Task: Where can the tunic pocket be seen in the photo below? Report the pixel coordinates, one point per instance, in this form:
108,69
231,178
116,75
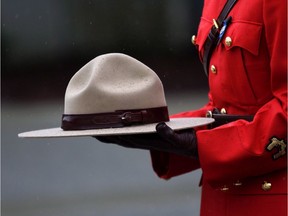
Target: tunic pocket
237,61
246,35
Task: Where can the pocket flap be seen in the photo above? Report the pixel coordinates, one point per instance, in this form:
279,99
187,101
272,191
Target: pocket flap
246,35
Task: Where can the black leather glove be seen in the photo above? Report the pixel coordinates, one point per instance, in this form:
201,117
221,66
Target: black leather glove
182,142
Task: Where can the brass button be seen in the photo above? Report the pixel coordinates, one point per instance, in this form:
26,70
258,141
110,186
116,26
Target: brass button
266,186
193,39
209,114
224,188
228,41
223,111
213,69
238,183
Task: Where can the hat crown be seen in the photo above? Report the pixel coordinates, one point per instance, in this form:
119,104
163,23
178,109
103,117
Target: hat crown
113,82
114,94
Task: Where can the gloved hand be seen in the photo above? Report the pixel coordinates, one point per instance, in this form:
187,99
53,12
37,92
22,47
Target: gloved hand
182,142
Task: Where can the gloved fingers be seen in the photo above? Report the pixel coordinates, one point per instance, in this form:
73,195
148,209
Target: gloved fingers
141,141
107,139
166,132
128,141
114,140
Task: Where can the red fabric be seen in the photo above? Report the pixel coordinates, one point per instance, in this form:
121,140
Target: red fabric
251,79
248,199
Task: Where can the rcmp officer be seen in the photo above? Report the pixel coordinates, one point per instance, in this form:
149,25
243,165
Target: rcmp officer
243,157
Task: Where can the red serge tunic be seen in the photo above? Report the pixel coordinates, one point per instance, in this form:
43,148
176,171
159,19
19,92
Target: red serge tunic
243,172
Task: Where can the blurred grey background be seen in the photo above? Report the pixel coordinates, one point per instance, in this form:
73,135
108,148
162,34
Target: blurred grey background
43,43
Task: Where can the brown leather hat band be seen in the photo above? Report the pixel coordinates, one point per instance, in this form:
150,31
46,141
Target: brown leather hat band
119,118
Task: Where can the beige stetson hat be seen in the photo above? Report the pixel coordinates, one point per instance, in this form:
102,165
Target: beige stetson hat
114,94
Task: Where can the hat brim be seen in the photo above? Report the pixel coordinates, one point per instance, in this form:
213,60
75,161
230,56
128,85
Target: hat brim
175,124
